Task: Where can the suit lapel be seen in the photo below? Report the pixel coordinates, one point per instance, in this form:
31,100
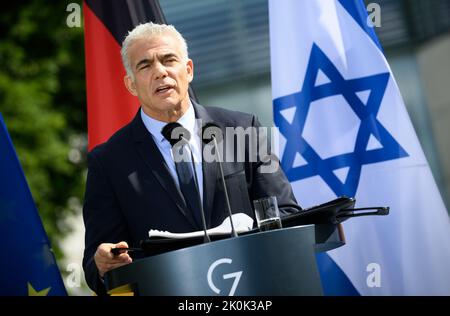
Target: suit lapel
210,169
150,153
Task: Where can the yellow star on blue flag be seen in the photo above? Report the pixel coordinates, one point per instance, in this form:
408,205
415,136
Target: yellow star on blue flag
33,292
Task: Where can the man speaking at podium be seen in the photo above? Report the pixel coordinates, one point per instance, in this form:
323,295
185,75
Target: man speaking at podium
133,183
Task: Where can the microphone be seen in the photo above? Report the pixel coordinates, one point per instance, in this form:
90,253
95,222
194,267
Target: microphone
210,133
176,134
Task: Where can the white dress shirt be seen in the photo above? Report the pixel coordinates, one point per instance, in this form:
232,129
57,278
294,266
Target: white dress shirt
188,121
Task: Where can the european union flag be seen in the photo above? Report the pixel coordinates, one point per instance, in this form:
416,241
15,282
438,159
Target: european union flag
27,264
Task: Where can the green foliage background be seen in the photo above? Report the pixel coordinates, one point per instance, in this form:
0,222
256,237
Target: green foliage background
43,103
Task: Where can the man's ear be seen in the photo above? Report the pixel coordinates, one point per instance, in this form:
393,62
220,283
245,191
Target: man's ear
130,85
190,69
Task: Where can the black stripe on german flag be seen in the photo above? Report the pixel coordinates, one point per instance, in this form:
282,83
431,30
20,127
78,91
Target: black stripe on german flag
121,16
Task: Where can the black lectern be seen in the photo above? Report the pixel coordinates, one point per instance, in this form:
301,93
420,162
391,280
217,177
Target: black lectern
278,262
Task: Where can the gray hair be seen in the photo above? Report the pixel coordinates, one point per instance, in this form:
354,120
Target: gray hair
148,31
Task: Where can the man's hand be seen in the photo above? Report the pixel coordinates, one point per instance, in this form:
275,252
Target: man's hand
106,261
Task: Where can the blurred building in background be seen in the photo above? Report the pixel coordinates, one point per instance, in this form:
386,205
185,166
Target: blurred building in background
229,43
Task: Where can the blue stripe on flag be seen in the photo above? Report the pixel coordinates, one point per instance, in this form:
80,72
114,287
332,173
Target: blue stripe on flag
358,11
334,280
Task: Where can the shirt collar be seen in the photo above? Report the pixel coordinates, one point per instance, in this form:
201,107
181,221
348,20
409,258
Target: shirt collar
155,127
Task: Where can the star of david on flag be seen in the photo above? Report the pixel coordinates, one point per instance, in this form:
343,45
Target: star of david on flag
291,114
344,130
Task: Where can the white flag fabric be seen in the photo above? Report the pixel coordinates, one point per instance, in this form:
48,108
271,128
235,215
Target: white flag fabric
344,130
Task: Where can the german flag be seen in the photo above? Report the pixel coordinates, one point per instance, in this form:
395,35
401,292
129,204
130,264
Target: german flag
106,23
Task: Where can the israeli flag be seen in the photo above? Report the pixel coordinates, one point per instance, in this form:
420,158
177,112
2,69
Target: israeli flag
345,131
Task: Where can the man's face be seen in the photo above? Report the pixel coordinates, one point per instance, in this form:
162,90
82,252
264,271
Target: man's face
161,76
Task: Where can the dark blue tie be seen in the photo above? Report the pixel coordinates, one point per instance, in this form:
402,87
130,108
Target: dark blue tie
178,137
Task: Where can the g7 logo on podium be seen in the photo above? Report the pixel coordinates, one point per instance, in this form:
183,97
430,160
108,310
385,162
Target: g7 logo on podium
236,275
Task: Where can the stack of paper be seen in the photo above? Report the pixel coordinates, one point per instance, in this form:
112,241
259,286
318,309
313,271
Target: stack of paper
242,223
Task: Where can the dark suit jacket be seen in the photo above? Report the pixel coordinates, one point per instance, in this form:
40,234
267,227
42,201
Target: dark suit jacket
129,188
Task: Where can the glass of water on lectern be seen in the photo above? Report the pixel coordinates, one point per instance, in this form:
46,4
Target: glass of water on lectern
267,213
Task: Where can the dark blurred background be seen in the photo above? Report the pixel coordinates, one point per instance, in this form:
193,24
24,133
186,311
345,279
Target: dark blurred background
43,90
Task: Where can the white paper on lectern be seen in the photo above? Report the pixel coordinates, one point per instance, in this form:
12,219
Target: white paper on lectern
242,223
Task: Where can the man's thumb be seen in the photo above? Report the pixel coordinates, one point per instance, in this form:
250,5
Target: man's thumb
122,244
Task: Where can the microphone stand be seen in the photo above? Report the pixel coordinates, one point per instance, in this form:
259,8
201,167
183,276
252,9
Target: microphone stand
216,148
